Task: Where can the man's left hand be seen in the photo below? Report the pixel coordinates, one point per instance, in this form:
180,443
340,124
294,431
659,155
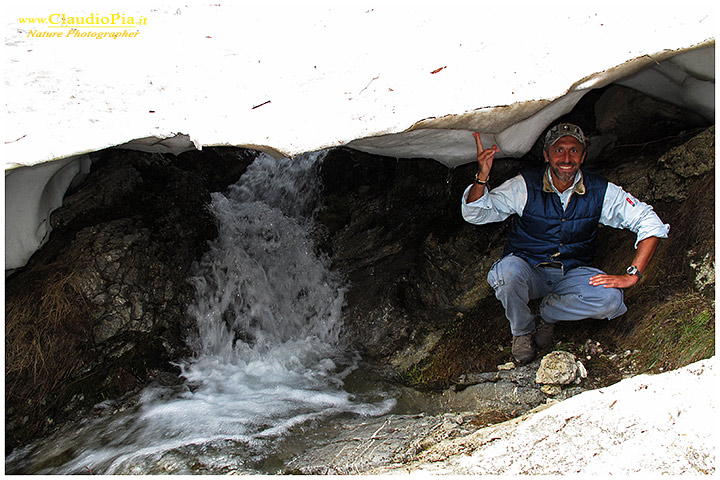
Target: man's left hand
614,281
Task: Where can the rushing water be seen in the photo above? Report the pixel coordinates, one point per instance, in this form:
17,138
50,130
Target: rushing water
268,362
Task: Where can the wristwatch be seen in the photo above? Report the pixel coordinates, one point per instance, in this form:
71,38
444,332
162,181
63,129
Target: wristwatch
633,270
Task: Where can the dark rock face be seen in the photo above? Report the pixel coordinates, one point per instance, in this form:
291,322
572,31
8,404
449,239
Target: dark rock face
394,228
636,118
100,309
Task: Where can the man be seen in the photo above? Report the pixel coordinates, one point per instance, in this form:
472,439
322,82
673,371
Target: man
549,251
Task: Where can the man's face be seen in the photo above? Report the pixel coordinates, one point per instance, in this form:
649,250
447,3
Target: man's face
565,158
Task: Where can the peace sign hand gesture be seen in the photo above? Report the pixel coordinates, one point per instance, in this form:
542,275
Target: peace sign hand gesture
485,158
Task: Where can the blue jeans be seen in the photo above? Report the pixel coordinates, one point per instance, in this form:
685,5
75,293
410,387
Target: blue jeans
565,297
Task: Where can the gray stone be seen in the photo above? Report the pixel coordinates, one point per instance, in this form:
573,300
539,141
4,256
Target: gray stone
362,445
693,158
558,368
502,396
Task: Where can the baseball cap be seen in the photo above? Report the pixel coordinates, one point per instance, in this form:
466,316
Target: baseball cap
564,130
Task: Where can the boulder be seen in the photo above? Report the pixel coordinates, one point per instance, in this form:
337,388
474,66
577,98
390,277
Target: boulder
560,368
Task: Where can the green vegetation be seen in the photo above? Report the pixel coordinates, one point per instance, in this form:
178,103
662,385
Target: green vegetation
675,333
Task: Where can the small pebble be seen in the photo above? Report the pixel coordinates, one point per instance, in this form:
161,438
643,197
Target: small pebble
506,366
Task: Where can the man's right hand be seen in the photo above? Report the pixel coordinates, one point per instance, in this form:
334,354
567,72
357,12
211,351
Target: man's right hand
485,157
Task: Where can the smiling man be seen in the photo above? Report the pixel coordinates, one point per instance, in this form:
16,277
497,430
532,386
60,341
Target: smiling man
549,251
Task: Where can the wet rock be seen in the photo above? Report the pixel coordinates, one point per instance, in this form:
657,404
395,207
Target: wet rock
683,165
503,396
551,389
482,399
362,445
694,158
509,391
413,354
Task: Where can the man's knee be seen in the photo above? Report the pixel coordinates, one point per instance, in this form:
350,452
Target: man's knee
615,303
610,302
587,302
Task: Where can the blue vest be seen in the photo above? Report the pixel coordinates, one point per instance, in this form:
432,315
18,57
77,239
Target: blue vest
547,234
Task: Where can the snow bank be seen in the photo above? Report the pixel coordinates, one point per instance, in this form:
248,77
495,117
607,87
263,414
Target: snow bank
291,77
649,424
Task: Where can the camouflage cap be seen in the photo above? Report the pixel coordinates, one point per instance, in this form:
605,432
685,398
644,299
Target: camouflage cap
564,130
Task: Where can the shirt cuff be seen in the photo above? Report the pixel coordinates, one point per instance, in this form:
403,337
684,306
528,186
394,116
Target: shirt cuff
659,231
480,202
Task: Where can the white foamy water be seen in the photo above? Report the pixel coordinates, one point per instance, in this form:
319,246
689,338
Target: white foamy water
268,359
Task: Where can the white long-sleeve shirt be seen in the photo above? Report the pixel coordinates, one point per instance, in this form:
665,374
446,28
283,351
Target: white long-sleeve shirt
619,210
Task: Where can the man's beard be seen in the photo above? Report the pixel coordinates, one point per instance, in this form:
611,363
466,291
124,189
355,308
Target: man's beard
564,175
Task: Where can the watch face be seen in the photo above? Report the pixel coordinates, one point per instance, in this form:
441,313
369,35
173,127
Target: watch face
632,270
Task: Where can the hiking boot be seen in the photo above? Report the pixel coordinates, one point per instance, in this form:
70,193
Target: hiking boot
523,349
544,334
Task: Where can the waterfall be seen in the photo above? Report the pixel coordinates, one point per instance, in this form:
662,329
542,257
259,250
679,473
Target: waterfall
261,286
267,359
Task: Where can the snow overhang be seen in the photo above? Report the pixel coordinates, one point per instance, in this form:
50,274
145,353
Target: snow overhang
400,79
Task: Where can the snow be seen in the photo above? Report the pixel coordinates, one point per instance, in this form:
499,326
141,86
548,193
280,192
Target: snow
292,77
650,425
31,194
